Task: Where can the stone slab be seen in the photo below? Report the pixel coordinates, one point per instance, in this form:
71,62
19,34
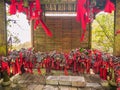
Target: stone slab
73,88
39,87
63,88
93,85
52,80
78,81
67,88
85,88
65,80
48,87
31,87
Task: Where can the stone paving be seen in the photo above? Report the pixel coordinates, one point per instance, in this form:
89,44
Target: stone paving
40,82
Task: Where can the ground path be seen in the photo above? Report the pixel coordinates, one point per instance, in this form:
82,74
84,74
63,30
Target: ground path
28,81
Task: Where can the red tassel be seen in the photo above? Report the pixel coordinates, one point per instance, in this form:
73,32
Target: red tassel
83,35
20,7
47,31
12,8
35,15
109,7
37,22
105,74
81,16
101,72
8,70
21,60
65,71
38,5
39,71
17,65
4,66
81,13
13,68
30,67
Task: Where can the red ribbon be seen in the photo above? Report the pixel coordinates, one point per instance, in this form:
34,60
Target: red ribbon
4,66
17,66
47,31
82,16
20,6
12,8
109,7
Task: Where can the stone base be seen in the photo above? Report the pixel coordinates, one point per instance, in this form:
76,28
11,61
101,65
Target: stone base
75,81
6,83
65,81
78,81
52,80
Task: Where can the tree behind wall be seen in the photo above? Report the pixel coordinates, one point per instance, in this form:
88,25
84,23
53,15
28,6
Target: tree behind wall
103,32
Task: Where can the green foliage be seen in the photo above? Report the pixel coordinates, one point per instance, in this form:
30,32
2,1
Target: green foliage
103,32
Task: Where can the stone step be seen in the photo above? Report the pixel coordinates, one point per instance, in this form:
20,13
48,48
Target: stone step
75,81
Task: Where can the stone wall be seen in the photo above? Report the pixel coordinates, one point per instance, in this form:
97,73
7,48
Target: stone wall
117,27
3,33
66,35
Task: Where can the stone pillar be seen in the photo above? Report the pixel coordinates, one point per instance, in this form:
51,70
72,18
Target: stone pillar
117,27
3,31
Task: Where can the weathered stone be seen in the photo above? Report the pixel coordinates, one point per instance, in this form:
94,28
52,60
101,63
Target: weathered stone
67,88
52,80
65,80
72,88
93,85
6,88
84,88
21,81
32,87
23,88
104,83
22,85
39,87
15,81
48,87
78,81
63,88
13,85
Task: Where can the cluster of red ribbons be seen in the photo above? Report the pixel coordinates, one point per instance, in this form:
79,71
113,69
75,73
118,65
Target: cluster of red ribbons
32,10
84,11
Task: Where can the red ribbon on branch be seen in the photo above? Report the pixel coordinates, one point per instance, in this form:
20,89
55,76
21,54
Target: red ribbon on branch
81,16
87,10
33,12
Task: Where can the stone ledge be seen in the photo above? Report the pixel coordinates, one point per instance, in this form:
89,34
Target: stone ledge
52,80
75,81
